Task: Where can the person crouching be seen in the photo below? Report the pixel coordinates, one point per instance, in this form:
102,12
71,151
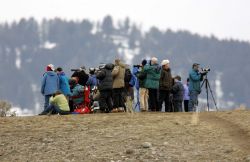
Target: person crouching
58,105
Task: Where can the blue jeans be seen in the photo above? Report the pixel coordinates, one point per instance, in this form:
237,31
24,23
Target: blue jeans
193,102
55,110
46,104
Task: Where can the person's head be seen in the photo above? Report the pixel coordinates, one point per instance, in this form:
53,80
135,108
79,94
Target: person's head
144,62
165,64
117,61
50,67
59,69
73,82
154,60
187,80
196,66
92,71
177,78
82,68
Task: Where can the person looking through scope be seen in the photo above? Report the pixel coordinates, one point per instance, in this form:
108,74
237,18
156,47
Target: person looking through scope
195,79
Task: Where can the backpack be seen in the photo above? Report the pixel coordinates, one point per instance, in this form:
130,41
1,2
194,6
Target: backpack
142,75
128,75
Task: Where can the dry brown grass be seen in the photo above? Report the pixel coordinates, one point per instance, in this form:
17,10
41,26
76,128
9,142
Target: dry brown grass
209,136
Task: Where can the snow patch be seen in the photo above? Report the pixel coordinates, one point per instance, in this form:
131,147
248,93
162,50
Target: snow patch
18,59
48,45
124,50
22,112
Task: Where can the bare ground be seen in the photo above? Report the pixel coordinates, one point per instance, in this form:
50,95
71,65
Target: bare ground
211,136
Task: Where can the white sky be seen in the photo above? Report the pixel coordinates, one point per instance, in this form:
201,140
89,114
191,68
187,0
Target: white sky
223,18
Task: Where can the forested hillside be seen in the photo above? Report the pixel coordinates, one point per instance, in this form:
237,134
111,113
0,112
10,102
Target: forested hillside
27,46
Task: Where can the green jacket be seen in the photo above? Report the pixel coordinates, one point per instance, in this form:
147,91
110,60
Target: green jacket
195,79
153,76
60,101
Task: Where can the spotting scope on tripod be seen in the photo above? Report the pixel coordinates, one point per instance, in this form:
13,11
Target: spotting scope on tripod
208,87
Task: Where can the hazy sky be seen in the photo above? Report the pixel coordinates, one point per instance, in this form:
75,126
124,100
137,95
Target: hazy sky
223,18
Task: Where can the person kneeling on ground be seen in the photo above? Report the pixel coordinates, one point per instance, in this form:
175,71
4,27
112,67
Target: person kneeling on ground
58,105
77,94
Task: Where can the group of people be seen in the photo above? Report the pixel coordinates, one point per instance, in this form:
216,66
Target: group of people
113,85
157,85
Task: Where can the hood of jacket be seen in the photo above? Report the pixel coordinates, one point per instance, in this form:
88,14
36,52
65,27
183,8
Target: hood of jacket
109,66
156,67
51,73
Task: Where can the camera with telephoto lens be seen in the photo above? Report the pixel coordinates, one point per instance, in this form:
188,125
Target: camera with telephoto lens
205,70
138,66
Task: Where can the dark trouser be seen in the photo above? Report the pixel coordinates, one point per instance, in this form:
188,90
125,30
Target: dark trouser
118,97
164,97
193,102
186,105
71,106
46,102
55,110
105,100
177,106
153,101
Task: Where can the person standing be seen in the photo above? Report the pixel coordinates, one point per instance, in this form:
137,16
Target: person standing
92,81
50,84
105,87
195,79
143,92
178,91
186,95
63,82
153,72
118,74
166,83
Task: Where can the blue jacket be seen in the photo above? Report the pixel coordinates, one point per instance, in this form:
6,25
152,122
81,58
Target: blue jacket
134,82
92,81
50,83
194,81
64,84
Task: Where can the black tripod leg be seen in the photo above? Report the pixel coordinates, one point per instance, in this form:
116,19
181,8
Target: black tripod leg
212,95
207,92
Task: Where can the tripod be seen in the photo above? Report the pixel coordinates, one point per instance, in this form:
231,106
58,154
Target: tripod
207,87
137,105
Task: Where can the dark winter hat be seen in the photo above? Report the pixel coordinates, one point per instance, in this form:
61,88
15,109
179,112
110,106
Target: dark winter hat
72,81
91,70
144,62
195,64
59,69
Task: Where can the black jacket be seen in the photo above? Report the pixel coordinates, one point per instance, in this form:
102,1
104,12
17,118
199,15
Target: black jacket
82,76
105,78
178,91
